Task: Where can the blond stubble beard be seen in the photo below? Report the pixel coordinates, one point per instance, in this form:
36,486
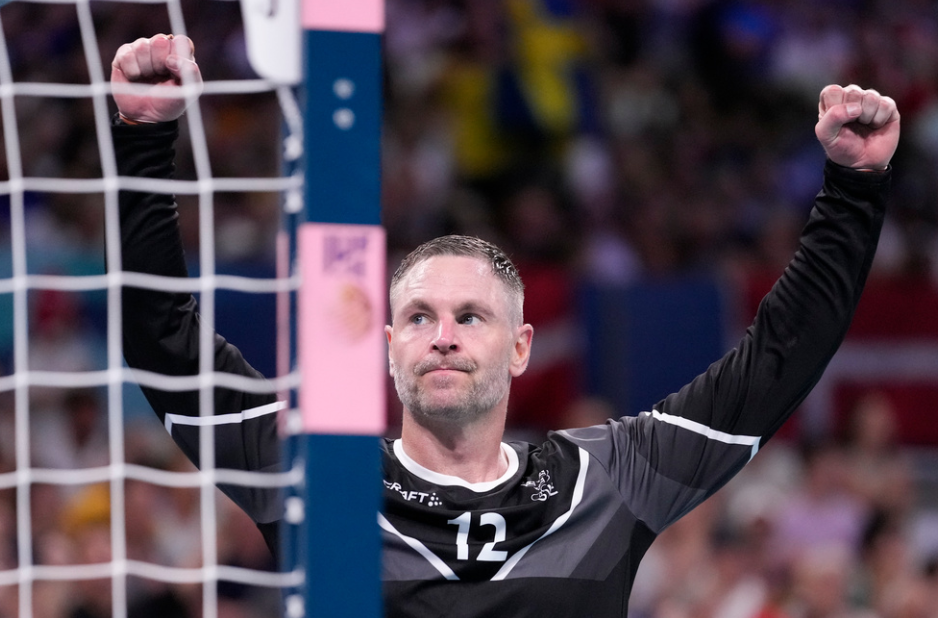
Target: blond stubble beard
480,397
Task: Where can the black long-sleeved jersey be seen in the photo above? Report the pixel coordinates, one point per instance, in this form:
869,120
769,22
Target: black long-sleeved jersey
563,531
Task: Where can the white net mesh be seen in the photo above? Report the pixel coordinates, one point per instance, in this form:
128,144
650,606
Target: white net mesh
98,516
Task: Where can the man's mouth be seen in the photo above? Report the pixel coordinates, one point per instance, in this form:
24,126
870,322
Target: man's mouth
431,366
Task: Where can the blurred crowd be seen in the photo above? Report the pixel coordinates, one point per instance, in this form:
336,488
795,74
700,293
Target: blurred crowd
599,141
628,139
827,529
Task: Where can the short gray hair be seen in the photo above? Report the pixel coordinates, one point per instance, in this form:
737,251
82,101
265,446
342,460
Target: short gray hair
467,246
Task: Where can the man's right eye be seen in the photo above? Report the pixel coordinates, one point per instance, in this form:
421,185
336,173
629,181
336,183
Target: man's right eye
418,319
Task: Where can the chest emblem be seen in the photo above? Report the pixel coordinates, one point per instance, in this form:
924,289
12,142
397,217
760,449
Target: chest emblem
543,488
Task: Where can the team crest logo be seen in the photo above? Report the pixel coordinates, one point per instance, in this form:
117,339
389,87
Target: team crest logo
543,488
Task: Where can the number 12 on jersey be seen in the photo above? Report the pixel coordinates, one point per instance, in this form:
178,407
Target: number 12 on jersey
488,553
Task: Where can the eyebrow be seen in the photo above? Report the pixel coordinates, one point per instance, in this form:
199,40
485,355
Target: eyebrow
473,307
466,307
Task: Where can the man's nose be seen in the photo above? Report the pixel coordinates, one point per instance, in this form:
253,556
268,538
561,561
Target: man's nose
444,339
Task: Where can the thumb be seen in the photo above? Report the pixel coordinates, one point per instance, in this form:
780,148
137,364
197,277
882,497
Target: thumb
181,60
183,47
832,121
184,71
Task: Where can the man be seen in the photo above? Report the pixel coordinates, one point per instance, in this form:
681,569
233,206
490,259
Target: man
473,526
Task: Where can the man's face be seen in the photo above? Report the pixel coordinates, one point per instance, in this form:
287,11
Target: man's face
453,347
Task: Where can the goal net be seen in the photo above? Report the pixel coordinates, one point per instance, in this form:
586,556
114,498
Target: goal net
99,516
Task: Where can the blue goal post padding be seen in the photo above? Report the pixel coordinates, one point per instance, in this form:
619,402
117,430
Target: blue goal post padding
337,540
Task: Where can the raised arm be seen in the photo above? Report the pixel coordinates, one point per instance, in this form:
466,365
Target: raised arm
667,461
161,329
802,321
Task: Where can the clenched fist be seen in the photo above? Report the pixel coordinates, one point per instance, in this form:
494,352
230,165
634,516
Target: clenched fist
148,75
857,128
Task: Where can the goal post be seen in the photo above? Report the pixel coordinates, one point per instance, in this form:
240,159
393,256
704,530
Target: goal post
338,250
342,306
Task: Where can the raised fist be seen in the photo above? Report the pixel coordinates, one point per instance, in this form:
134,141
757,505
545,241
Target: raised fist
153,80
857,128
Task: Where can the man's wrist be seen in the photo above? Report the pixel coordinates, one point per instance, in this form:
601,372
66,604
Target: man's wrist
142,129
866,170
124,119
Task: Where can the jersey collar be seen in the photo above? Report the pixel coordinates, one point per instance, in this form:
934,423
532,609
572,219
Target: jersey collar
445,479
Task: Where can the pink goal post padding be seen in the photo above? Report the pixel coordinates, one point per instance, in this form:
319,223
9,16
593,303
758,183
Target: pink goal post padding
344,15
341,316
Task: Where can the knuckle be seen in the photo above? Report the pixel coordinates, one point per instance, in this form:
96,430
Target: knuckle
140,46
123,51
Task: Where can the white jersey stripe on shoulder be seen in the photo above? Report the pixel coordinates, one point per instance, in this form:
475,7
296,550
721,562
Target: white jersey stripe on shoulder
708,432
420,548
560,521
222,419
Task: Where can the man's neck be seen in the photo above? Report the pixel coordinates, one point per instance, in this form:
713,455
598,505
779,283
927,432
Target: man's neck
472,453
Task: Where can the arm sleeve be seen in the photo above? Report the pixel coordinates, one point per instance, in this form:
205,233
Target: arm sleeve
161,330
668,460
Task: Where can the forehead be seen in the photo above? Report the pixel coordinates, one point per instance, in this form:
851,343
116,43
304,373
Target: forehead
448,277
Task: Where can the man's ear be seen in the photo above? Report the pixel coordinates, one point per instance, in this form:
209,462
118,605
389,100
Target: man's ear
389,332
521,353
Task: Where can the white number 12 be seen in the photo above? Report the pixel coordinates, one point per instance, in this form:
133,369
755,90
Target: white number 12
488,554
